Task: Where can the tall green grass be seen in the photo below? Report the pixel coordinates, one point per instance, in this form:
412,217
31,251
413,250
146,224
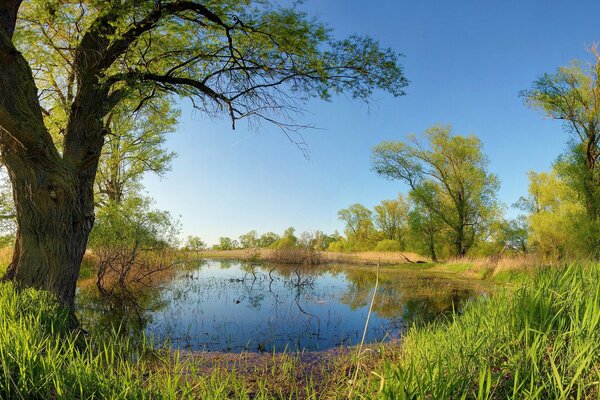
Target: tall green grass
540,342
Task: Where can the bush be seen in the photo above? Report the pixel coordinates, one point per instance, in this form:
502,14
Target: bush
284,243
388,245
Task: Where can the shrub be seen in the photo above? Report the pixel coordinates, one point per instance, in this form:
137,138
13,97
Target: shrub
388,245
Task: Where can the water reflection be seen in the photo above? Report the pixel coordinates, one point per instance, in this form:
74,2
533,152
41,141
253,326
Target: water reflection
235,306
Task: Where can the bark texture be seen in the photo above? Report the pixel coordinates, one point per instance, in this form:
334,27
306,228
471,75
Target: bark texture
53,193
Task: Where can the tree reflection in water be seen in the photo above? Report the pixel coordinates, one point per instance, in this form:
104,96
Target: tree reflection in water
236,306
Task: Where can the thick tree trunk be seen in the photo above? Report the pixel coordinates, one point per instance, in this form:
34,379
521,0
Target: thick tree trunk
54,218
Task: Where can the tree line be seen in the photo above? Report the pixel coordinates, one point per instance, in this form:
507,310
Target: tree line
452,207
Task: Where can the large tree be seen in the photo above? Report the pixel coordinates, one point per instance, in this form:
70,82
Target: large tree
572,95
448,175
238,58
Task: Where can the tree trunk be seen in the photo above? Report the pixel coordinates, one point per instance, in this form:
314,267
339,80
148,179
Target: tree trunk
54,219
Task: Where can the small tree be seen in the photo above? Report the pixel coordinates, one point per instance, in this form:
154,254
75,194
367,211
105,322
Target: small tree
132,242
267,239
194,243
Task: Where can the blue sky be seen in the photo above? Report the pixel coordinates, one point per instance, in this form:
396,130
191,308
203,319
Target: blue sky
467,62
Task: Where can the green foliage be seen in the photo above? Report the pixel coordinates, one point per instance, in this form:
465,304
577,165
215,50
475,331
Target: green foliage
288,240
542,342
249,240
267,239
391,218
134,147
448,176
558,221
194,243
285,242
388,245
133,223
226,243
572,95
231,57
359,222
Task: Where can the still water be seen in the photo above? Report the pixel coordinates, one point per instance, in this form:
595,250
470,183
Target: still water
236,306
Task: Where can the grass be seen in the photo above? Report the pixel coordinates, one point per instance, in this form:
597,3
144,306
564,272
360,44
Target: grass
541,341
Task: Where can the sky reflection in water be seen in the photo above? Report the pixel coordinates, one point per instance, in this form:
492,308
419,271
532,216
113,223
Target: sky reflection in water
222,305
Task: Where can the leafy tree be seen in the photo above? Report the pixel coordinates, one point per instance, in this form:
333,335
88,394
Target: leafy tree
267,239
388,245
288,240
133,222
194,243
134,145
572,95
359,222
241,58
249,240
448,176
557,219
391,218
514,235
226,243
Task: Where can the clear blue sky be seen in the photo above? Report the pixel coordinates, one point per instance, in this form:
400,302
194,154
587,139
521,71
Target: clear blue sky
467,62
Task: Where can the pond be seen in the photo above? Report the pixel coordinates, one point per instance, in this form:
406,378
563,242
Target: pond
235,306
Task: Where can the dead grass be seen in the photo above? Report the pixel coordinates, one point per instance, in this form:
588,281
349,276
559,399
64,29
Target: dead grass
483,267
6,254
324,257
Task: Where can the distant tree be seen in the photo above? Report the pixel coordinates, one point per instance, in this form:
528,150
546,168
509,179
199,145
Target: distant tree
134,146
391,218
267,239
572,95
359,222
448,176
226,243
133,223
249,240
194,243
288,239
290,233
8,213
515,233
322,240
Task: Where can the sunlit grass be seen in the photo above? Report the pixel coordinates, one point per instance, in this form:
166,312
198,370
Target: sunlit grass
541,342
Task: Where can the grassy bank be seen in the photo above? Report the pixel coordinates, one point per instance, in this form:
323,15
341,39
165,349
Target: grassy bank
539,342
